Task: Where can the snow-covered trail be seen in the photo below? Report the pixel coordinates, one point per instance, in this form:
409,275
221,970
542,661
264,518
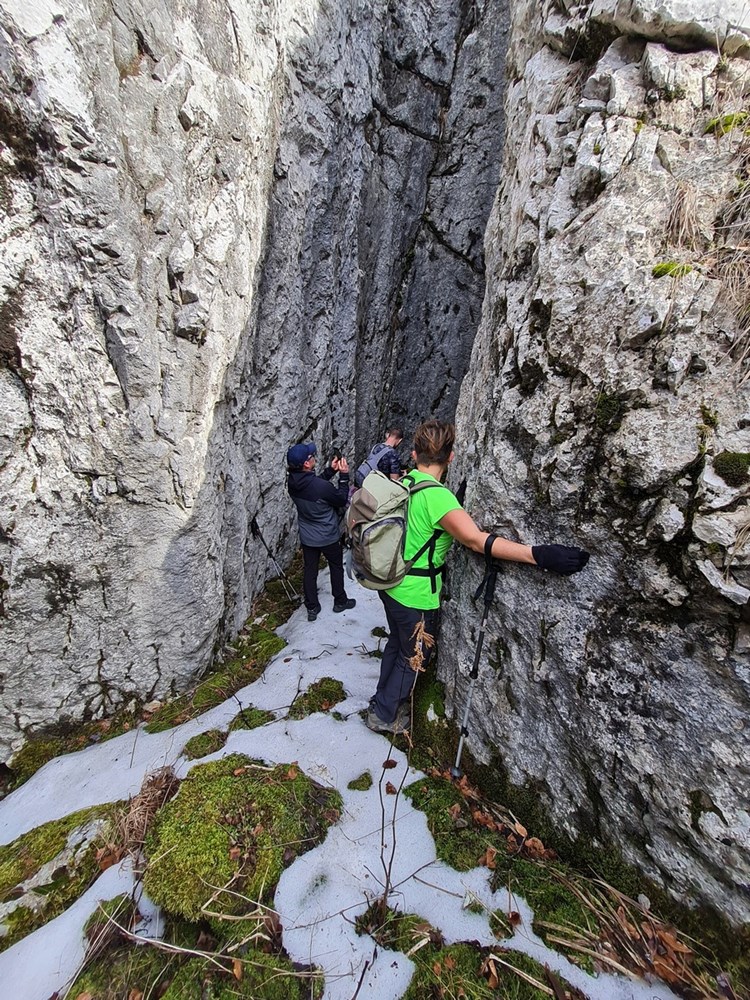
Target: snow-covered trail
322,892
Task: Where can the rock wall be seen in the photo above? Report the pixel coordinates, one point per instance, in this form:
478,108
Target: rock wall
209,209
607,404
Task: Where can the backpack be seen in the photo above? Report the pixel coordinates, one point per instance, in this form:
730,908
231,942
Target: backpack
370,464
376,523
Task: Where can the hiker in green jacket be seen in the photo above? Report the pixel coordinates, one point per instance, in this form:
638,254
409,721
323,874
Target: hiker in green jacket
415,601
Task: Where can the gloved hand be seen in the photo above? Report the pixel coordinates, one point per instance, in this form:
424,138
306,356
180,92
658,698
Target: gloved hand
562,559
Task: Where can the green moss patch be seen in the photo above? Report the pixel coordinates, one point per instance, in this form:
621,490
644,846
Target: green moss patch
319,697
250,718
671,268
362,783
727,123
204,744
253,650
270,977
22,860
458,970
733,467
221,844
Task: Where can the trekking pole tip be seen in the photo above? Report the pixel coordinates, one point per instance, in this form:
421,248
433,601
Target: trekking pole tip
456,773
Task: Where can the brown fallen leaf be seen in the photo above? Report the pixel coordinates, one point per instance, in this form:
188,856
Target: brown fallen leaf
437,968
520,829
514,918
389,764
292,773
135,994
238,771
237,969
390,789
85,996
488,858
450,962
235,853
454,810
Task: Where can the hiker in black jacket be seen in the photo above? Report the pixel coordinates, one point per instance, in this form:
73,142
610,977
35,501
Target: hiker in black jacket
319,507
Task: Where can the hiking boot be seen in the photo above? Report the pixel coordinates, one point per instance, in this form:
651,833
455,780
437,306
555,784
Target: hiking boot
347,605
377,725
312,614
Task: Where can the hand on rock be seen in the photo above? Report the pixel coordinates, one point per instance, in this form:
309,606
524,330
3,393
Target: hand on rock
562,559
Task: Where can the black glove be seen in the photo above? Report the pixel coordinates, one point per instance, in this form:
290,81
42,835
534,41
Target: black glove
562,559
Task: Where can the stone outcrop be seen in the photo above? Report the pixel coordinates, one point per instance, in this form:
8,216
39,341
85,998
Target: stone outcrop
221,224
607,405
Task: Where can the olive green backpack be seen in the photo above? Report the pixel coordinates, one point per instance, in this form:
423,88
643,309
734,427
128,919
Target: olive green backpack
376,523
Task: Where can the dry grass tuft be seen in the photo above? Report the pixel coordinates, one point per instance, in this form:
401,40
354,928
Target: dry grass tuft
132,824
683,228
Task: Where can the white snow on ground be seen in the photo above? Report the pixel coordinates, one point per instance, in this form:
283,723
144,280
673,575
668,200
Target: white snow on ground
323,891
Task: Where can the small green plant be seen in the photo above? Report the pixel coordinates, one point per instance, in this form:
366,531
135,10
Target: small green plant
710,417
733,467
597,148
671,268
726,123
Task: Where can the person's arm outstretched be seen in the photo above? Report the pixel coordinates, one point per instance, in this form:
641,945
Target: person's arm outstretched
563,559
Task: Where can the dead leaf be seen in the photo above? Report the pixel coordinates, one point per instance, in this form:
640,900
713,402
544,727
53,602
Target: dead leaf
520,830
450,962
670,940
287,659
492,979
135,994
437,968
85,996
390,789
455,810
235,853
238,771
534,847
237,969
107,856
514,918
292,773
488,858
389,764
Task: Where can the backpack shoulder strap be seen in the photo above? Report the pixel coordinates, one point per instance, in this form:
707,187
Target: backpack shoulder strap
433,572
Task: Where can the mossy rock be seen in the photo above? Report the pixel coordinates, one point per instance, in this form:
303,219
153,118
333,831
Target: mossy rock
319,697
204,744
362,783
733,467
234,825
251,718
25,856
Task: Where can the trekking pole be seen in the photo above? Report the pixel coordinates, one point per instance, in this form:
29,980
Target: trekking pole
286,583
487,585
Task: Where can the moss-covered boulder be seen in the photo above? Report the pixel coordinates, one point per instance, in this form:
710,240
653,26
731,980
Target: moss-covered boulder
218,848
44,871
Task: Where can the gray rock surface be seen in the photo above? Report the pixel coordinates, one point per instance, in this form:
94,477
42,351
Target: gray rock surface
599,408
223,223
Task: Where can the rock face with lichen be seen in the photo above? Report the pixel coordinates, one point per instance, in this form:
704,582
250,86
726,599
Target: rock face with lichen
607,405
221,225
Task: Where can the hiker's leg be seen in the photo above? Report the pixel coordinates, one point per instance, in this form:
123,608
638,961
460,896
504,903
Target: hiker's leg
335,556
390,653
311,558
396,686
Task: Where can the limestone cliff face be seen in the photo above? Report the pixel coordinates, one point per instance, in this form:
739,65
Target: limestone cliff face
219,220
607,405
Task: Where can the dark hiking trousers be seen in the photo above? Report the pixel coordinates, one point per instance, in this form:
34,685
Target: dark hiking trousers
396,675
335,557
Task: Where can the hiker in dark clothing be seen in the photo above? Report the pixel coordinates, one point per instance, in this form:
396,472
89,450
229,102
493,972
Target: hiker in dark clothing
412,605
319,504
383,457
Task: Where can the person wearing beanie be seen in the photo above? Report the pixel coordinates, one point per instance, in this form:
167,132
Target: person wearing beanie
319,507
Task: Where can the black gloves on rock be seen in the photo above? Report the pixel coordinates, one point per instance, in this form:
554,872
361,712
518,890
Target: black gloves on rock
562,559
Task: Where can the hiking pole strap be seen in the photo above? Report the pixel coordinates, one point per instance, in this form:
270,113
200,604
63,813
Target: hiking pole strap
491,566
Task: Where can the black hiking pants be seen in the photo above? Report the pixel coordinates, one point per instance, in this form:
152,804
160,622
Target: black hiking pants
311,558
396,674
